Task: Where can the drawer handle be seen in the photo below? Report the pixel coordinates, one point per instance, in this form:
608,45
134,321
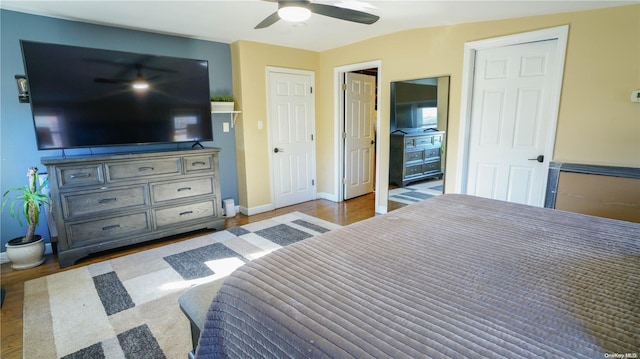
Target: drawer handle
113,226
184,189
146,168
185,213
80,175
107,200
198,163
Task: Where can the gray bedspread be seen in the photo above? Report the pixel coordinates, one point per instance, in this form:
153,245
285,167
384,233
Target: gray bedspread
451,277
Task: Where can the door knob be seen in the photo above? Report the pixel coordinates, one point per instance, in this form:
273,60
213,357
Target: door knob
540,158
276,150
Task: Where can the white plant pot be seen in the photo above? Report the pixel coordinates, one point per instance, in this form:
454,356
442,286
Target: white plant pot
23,256
222,106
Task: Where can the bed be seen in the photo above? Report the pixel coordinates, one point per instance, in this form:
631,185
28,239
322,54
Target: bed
454,276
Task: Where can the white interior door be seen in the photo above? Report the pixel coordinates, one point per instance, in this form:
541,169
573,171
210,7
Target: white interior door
511,114
359,134
291,128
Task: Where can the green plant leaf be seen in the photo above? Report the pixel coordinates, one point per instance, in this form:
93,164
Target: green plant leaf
222,98
29,196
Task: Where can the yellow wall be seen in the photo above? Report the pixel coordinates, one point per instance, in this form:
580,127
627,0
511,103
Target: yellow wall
597,122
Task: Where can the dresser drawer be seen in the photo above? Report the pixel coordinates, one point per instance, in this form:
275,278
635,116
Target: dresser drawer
71,176
432,152
167,191
424,141
413,170
198,163
173,215
96,202
431,166
414,156
142,169
107,228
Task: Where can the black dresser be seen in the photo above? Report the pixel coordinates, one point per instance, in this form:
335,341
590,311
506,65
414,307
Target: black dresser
415,156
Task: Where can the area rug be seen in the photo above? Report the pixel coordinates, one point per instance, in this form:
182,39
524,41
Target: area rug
416,192
128,307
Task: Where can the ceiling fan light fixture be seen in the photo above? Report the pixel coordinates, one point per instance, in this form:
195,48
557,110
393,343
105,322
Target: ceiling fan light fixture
294,13
140,85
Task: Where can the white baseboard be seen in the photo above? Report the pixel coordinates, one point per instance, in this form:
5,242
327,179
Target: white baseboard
328,196
47,250
270,207
256,210
381,210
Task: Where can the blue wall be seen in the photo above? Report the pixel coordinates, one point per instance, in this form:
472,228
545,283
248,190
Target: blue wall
18,149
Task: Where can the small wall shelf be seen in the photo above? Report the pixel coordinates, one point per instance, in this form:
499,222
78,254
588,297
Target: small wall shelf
232,114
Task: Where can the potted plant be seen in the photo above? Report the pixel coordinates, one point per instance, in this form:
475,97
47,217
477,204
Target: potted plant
222,104
26,251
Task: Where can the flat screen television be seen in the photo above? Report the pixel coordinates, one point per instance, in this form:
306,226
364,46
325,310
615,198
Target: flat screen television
86,97
413,106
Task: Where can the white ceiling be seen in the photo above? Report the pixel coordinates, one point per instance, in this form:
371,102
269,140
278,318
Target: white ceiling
229,21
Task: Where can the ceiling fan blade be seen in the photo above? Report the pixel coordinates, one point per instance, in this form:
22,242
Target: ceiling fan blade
343,13
110,81
268,21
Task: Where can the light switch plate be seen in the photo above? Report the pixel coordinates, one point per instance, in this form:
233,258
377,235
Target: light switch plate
225,127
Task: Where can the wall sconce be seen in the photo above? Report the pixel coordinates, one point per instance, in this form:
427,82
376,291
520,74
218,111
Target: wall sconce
23,89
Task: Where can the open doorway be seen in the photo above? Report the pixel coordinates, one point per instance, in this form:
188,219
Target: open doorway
346,157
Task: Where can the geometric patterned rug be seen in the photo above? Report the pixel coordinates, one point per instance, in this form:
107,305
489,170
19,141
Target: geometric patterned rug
416,192
127,307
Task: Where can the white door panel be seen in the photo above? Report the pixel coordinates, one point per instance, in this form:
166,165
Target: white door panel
520,183
510,116
360,134
291,133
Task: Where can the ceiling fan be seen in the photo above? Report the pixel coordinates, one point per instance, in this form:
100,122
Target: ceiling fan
300,10
139,83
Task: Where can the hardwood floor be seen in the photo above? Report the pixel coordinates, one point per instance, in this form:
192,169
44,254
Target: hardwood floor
12,281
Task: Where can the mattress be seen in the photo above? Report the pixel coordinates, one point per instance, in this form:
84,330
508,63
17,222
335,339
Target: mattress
451,277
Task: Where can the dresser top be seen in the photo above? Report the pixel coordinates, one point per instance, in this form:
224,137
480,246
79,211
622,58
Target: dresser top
415,132
127,155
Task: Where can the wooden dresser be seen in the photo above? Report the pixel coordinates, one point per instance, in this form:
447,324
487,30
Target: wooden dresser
108,201
414,156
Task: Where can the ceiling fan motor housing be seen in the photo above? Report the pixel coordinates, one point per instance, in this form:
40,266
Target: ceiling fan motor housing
301,10
295,11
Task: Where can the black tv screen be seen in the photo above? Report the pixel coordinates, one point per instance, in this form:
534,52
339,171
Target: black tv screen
413,106
85,97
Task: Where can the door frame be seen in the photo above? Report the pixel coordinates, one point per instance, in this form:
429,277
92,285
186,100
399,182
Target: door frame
338,100
268,71
559,33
